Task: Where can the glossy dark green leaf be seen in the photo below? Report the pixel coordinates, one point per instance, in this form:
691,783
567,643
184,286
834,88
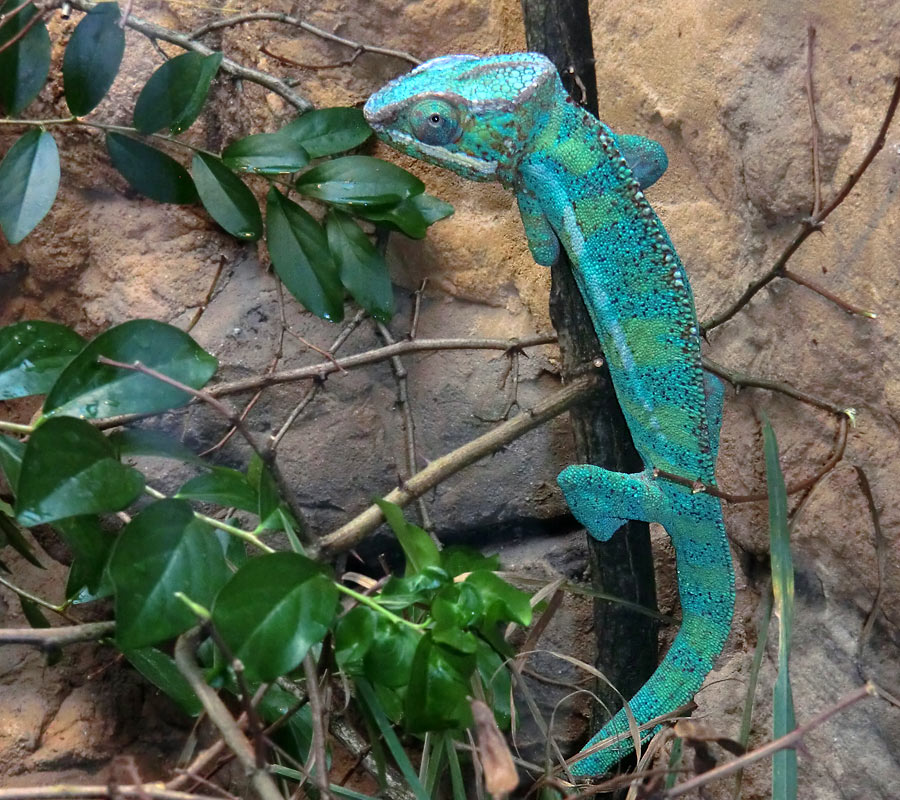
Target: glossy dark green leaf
457,606
29,175
458,559
163,550
32,354
272,610
223,486
388,661
359,181
353,635
501,601
148,442
175,93
362,269
89,389
266,154
463,642
11,452
226,198
411,216
327,131
419,587
150,171
160,669
418,546
24,64
69,469
497,683
12,536
92,58
436,698
296,734
300,255
90,546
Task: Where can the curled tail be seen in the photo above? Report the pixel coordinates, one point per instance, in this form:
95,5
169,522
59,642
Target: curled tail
601,501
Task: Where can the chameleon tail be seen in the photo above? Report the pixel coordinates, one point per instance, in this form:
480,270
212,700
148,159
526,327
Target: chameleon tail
602,500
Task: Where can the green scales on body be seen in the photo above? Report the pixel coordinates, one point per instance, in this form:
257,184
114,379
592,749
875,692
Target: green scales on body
508,119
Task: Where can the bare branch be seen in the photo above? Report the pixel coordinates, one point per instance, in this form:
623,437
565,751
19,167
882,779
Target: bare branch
141,791
153,31
48,638
439,470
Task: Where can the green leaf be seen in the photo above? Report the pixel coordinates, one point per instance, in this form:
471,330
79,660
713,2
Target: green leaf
32,354
502,602
296,734
92,58
388,661
150,171
417,588
69,469
272,610
266,154
784,762
226,198
418,546
361,267
175,93
301,258
437,696
457,606
11,452
147,442
163,550
29,175
411,216
25,63
327,131
223,486
459,559
359,181
90,546
12,536
160,669
89,389
497,683
353,636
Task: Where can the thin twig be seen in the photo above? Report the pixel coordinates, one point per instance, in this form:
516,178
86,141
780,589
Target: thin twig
401,376
185,659
357,529
880,557
141,791
740,380
813,120
266,454
287,19
153,31
317,715
830,296
22,31
815,223
793,488
358,746
788,740
51,638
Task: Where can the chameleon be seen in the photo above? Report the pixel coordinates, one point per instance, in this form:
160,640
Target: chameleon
507,118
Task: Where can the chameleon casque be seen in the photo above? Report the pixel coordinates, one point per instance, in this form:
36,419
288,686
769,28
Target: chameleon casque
508,118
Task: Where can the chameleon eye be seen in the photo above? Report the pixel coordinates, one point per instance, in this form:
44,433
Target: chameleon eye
435,122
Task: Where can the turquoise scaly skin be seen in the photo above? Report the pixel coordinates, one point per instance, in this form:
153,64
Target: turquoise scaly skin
508,119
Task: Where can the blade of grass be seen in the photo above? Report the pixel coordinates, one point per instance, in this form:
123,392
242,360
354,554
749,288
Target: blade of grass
434,749
456,777
367,695
784,762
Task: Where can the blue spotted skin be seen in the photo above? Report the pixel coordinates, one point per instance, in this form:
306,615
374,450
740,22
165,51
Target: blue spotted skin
507,118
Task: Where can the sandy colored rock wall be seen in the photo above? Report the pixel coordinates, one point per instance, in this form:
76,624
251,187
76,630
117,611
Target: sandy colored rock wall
721,85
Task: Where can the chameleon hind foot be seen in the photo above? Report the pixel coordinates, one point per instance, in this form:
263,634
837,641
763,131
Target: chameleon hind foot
603,500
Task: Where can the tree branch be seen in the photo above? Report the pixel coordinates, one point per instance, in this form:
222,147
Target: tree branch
49,638
153,31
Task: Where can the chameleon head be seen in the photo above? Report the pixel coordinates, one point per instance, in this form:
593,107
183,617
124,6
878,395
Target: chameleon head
466,113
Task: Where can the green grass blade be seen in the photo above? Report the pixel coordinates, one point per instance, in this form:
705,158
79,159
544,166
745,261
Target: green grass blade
456,777
367,695
784,762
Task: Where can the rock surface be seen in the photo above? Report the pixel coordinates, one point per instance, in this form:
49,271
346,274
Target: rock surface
722,87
